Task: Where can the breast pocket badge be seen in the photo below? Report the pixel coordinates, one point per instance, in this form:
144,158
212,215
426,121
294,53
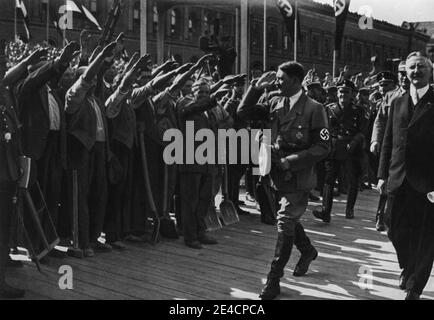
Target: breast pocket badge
299,134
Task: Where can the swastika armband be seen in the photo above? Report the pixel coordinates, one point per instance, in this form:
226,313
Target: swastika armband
324,134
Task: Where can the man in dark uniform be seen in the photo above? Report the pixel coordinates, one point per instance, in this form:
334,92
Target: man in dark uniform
367,172
9,174
299,139
347,122
331,95
315,91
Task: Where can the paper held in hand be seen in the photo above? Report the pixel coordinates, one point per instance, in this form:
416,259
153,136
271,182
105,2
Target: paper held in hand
431,197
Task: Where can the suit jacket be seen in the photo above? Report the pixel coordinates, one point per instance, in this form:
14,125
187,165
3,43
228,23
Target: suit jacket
304,131
10,148
194,111
82,121
408,145
34,111
122,118
382,115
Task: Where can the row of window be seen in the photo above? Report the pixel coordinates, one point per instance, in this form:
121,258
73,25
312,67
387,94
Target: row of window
199,21
217,23
320,46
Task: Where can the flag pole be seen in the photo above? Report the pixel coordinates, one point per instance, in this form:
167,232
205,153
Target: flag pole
334,64
48,21
265,38
64,30
15,21
143,27
237,39
296,30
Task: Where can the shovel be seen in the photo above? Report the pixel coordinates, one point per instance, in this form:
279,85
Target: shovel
212,220
149,195
227,209
75,251
167,228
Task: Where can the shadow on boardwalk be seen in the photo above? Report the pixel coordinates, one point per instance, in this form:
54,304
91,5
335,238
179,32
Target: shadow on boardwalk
355,262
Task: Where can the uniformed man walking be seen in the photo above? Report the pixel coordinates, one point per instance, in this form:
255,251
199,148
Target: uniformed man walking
299,138
9,174
347,122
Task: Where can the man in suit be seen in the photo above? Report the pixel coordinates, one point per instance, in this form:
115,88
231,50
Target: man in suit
389,92
299,140
9,174
89,152
406,159
44,127
122,138
196,180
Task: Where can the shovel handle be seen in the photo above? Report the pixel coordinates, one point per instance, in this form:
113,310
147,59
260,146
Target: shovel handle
225,181
165,188
149,194
75,209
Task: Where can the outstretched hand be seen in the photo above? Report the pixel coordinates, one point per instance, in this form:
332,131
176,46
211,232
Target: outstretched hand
266,80
230,80
184,68
201,62
134,58
120,43
37,56
143,64
108,50
169,65
68,52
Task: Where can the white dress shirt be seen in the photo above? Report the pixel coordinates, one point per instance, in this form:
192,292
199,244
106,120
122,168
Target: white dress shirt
54,112
417,94
294,99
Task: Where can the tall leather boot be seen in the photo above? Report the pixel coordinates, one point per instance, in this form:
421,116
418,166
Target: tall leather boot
6,291
379,219
281,257
351,201
325,213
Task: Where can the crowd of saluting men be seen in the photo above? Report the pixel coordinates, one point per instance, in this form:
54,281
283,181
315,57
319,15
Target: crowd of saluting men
85,118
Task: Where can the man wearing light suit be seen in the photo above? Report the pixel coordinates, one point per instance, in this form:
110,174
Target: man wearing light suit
406,157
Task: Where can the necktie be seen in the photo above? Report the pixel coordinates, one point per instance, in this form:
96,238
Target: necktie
411,107
416,98
287,106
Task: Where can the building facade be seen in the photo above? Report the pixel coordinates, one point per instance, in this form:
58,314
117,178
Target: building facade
183,22
428,28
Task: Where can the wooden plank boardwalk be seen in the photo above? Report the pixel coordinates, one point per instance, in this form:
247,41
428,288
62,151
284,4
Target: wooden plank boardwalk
349,250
